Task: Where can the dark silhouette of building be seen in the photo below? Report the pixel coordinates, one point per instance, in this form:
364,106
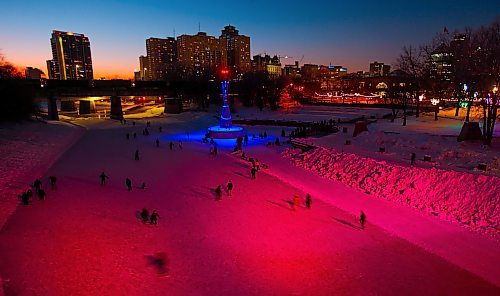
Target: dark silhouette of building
71,57
379,69
238,50
33,73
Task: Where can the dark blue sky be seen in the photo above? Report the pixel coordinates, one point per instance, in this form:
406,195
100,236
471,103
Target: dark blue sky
348,33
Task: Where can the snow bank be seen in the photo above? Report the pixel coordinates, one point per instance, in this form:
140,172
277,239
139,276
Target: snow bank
467,198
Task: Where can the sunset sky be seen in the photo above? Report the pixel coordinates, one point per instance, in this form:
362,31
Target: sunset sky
348,33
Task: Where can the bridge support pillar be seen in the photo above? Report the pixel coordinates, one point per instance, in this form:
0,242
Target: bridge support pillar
116,108
68,106
86,107
173,106
52,113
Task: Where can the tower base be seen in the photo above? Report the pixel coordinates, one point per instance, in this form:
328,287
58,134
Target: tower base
217,132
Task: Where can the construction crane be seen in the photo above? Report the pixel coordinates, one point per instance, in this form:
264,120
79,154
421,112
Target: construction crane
284,57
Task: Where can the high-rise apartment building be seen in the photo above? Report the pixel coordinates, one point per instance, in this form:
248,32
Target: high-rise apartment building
71,57
238,50
201,55
161,58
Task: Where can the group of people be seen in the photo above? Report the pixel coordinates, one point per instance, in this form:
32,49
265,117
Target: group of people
151,219
324,126
26,196
218,190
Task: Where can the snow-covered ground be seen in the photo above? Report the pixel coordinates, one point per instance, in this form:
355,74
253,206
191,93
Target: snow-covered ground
311,113
85,239
423,136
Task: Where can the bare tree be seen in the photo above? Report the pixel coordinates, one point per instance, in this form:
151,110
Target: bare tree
485,68
414,62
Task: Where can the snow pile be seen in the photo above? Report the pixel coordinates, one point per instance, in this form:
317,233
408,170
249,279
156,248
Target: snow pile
456,196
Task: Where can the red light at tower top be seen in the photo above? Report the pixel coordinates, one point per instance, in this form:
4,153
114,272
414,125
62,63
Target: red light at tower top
224,73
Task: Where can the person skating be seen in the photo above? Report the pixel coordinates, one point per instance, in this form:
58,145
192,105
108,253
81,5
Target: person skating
37,185
143,185
265,134
296,201
171,144
29,193
160,129
413,157
127,135
253,171
215,150
145,216
362,219
283,133
180,145
53,180
25,199
136,154
41,194
257,164
230,188
128,182
308,201
154,217
103,178
218,193
157,143
245,140
187,134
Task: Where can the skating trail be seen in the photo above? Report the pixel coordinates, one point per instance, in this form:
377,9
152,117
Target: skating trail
86,239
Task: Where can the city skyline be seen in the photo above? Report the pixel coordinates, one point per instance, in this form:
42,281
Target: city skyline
352,35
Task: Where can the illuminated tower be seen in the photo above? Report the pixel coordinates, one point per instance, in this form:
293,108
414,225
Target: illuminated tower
225,117
71,58
225,129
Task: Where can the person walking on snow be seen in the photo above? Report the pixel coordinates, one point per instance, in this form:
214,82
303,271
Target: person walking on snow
25,199
253,171
137,154
230,188
180,145
41,194
128,182
413,157
296,201
308,201
103,178
144,215
154,217
218,193
157,143
37,185
362,219
53,180
171,145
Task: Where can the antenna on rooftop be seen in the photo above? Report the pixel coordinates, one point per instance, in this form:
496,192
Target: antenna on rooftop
199,27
